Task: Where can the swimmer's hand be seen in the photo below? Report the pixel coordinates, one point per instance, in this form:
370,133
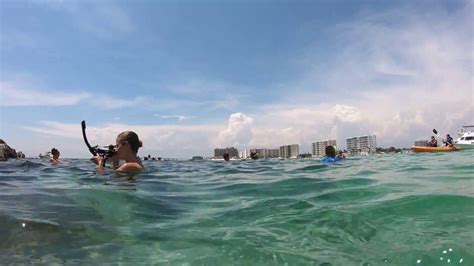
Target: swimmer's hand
98,161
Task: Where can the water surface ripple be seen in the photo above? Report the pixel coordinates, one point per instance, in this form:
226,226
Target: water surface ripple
401,209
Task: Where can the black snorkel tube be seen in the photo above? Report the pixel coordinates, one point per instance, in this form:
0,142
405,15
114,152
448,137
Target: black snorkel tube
95,150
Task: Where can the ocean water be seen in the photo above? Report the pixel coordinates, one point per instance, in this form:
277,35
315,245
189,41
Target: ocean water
400,209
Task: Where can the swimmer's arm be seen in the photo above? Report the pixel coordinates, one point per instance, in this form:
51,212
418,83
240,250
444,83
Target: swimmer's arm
132,168
129,170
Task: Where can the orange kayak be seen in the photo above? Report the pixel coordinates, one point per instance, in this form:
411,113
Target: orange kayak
433,149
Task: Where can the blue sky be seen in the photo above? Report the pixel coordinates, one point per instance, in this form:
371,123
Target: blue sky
192,75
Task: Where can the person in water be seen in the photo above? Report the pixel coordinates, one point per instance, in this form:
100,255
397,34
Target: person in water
126,148
226,157
341,155
449,141
55,153
330,152
433,142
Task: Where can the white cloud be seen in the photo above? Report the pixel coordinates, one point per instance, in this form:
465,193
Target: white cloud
396,74
21,94
13,96
109,102
238,132
180,118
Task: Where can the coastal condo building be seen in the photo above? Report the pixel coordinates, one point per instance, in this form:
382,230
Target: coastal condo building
318,148
421,143
290,151
233,152
362,145
261,153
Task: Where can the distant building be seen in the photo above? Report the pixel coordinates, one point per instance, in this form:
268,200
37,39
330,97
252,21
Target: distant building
318,148
233,152
421,143
362,145
261,153
289,151
272,153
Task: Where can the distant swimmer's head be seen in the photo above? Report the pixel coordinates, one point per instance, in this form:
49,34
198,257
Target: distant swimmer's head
330,151
55,152
226,156
128,140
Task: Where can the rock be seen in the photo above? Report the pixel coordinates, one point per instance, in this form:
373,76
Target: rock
6,152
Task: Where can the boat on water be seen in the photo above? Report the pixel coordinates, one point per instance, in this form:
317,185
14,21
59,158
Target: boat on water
46,156
466,138
434,149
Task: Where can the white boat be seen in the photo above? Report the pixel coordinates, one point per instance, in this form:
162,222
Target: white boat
466,138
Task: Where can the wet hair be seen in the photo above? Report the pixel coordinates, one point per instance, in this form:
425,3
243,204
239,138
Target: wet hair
131,138
330,151
226,156
54,151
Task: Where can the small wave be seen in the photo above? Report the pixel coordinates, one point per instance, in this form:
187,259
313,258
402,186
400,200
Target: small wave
311,168
412,169
30,165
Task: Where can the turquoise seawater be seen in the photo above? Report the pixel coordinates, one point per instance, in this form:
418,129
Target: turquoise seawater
400,209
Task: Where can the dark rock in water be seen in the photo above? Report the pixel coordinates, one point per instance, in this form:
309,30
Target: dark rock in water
6,152
20,155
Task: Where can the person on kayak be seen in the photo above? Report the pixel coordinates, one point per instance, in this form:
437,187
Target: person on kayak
433,142
449,141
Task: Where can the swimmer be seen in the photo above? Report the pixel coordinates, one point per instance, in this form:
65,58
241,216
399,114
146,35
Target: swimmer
126,148
55,153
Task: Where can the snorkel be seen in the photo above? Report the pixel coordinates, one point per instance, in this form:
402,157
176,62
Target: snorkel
95,150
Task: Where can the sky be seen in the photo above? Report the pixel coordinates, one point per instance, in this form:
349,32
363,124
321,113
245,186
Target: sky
189,76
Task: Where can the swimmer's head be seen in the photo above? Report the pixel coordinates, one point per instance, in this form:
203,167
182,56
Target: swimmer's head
330,151
130,139
55,152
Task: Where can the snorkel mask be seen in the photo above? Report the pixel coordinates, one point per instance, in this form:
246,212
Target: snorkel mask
95,150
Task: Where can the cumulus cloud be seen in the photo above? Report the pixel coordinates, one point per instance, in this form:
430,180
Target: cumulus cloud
238,132
397,74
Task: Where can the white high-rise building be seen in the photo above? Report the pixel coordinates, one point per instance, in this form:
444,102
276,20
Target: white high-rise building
219,152
362,145
272,153
289,151
318,148
261,153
